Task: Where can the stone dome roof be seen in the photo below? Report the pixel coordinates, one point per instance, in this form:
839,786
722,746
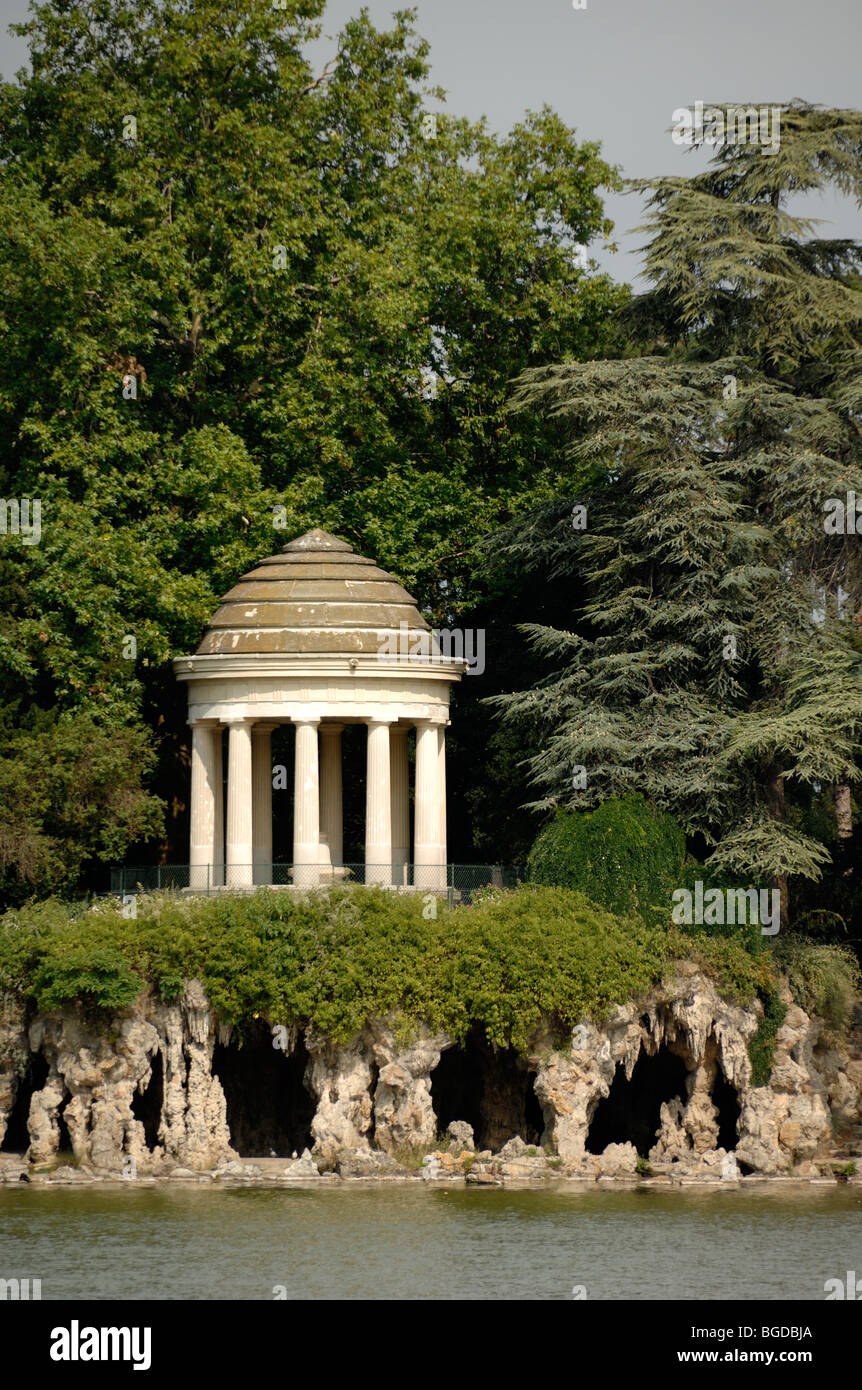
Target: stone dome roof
316,596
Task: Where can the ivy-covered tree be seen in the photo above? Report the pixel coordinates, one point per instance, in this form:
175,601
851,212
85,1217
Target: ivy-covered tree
716,662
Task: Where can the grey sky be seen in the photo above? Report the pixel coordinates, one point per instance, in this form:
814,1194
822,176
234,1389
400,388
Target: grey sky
617,70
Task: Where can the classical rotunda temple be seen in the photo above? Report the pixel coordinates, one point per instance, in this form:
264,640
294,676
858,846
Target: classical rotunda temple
317,637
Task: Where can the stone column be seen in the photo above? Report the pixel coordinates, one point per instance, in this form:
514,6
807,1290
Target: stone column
429,854
206,839
378,805
239,832
306,806
331,819
441,796
261,797
400,802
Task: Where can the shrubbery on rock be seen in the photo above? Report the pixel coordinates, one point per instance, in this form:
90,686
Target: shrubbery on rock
626,856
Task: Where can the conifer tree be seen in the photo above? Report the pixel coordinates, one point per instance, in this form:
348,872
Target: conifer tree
716,665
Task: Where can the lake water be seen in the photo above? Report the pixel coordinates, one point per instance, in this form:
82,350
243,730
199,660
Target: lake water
430,1242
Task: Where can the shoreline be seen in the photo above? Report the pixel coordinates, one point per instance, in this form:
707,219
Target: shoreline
557,1182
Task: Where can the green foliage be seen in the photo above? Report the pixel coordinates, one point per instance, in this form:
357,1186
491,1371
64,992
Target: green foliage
824,978
711,660
739,972
761,1048
411,1157
625,856
70,793
99,977
748,934
274,260
334,960
170,986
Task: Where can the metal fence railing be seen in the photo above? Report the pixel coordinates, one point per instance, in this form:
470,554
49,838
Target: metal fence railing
458,881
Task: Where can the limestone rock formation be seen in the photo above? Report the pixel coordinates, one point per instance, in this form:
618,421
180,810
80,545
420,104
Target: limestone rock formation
403,1112
780,1126
302,1167
618,1160
340,1078
462,1135
97,1068
14,1053
136,1093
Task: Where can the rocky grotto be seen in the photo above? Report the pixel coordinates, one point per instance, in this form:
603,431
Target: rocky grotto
166,1090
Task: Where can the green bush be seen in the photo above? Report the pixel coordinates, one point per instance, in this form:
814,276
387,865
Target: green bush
99,977
761,1048
626,856
824,979
333,960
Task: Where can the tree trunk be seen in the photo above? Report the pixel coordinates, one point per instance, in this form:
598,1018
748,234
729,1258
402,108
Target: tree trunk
843,811
776,798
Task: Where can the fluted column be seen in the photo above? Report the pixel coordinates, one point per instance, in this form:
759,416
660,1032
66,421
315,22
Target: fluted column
261,797
429,854
206,809
239,820
306,806
400,802
378,805
331,818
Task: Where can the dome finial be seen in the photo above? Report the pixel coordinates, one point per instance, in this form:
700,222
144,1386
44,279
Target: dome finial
317,540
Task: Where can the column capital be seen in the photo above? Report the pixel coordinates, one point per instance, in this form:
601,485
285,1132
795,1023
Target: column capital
265,726
327,728
305,719
375,719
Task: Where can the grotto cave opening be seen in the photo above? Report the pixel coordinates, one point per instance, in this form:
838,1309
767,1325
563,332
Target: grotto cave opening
269,1108
491,1088
17,1138
147,1107
726,1101
631,1112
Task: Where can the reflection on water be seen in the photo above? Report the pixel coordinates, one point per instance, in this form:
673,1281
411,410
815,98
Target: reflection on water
416,1242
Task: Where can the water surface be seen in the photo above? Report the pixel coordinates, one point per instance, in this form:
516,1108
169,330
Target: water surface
439,1242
